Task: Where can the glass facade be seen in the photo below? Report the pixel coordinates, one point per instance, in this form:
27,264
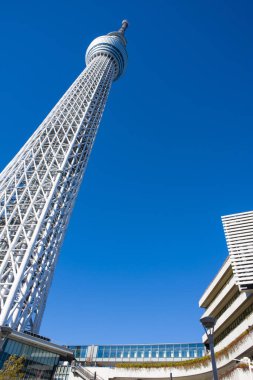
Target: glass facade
80,352
39,363
121,353
149,352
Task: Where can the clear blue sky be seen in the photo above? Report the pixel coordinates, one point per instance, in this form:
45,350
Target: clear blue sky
173,154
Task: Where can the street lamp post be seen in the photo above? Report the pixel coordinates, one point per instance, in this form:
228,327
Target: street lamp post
208,324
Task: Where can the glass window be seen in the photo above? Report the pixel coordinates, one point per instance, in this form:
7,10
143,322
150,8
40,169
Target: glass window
132,354
113,352
26,350
119,352
147,354
83,353
77,353
15,348
176,353
140,353
191,352
154,354
106,353
199,352
125,354
100,352
185,353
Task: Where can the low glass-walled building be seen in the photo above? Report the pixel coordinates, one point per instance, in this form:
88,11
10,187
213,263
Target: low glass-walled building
41,356
39,363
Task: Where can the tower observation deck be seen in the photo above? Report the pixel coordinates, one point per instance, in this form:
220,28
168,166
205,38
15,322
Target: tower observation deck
39,186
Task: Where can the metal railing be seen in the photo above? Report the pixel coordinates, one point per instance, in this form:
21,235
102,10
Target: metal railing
83,372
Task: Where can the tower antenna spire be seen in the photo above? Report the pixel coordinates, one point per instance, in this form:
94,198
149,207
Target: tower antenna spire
123,27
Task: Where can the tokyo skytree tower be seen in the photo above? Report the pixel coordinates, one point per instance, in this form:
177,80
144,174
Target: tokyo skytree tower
39,186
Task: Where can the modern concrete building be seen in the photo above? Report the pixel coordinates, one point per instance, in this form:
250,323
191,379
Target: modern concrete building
227,299
238,229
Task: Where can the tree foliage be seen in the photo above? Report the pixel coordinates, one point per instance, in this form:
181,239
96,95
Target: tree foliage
13,368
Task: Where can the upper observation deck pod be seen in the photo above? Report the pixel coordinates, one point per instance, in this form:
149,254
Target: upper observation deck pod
112,45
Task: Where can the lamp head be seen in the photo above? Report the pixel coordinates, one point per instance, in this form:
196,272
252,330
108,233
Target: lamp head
208,322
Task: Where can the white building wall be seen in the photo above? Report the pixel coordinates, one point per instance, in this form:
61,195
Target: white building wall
238,230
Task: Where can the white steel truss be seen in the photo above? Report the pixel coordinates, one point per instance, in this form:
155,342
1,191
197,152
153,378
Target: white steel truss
39,186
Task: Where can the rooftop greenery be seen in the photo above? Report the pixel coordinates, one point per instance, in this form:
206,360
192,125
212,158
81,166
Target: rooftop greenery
191,363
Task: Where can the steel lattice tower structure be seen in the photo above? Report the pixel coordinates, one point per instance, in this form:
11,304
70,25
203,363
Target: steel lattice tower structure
39,186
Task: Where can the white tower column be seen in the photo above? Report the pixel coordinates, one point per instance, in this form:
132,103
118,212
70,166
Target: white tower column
39,186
